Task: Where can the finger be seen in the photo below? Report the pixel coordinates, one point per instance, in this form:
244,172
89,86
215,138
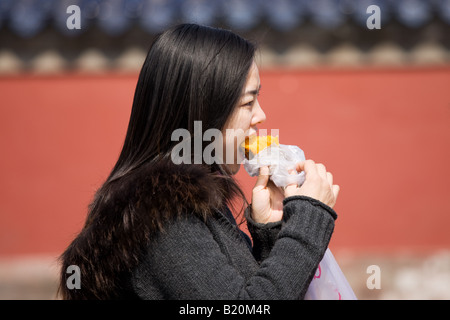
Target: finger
263,178
307,166
321,170
330,178
290,188
300,166
335,188
292,171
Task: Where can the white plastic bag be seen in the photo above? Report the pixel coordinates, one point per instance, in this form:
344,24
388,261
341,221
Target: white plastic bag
329,283
281,159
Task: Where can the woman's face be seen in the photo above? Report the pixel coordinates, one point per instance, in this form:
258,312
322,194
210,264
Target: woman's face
243,121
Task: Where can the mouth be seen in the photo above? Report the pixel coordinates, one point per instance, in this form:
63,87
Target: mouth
241,143
249,134
245,145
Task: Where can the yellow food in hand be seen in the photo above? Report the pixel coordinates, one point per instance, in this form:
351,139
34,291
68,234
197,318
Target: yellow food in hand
254,144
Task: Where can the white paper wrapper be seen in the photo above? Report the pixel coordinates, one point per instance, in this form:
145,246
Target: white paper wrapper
329,283
280,159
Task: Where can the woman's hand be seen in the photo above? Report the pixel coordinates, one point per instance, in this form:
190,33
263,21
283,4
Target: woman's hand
267,198
318,183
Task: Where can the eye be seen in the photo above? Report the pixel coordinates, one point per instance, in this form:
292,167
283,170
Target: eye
251,102
248,104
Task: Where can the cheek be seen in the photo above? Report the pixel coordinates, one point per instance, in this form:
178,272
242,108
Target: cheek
237,131
242,121
234,134
232,140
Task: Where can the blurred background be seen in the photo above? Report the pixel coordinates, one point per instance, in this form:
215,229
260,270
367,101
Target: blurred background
373,105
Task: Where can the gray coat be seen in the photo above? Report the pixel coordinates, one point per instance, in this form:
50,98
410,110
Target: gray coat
194,259
163,232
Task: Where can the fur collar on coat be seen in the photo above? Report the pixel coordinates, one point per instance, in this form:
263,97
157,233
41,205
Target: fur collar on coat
124,216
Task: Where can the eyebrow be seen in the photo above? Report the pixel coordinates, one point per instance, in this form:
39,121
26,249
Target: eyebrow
253,92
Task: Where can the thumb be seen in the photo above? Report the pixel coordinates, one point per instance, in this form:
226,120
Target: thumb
263,178
300,166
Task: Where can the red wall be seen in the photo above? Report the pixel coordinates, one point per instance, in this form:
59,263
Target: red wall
385,135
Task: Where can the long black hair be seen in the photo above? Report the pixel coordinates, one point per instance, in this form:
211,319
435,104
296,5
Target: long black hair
191,73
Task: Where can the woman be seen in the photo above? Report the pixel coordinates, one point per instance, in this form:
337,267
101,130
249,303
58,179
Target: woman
160,230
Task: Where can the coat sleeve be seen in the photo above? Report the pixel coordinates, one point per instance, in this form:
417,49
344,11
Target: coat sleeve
263,235
187,263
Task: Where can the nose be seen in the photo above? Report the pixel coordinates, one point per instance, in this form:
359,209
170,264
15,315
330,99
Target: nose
258,116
